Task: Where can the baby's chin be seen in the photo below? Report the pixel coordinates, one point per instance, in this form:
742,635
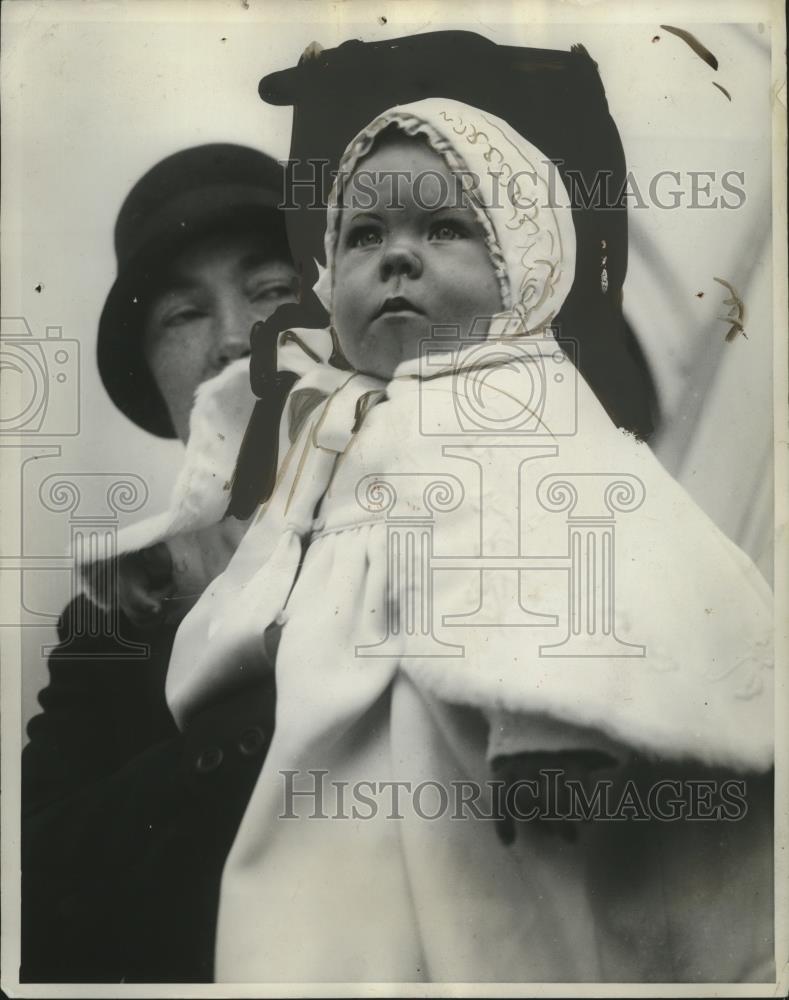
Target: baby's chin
380,352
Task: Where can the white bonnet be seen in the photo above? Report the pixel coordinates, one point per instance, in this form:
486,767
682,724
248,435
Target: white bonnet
516,192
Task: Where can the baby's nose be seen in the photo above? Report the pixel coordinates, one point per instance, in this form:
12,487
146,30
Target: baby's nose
400,260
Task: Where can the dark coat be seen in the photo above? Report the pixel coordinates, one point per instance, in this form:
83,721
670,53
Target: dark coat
126,823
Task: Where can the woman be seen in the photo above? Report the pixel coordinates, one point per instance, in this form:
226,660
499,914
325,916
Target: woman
126,821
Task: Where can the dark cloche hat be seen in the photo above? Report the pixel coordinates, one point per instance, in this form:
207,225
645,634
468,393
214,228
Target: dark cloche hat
192,193
553,98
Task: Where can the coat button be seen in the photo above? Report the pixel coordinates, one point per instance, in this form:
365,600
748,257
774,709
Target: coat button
209,760
251,741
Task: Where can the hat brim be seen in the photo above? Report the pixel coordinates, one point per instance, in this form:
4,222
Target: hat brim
121,360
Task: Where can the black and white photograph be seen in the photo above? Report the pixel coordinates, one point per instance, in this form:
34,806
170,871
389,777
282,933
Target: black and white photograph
393,564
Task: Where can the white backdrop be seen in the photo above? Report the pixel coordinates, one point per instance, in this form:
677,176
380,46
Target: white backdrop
95,93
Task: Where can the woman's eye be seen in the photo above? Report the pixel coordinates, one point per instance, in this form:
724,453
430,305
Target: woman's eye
447,231
179,317
364,236
270,293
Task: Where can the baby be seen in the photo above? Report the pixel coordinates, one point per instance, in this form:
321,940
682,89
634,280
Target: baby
439,450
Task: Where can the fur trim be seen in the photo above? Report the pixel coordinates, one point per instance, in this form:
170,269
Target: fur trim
200,494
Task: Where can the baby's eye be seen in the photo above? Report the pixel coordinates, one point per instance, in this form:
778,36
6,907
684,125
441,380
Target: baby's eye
364,236
447,231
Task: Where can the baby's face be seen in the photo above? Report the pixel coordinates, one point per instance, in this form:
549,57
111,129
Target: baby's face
407,263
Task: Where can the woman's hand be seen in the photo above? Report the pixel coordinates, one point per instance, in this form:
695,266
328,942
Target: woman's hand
160,584
145,585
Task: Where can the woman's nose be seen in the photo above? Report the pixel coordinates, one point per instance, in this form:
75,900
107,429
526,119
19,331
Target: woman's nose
400,259
233,327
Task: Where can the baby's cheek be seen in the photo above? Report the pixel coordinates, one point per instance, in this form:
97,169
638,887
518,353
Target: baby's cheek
474,308
350,298
350,336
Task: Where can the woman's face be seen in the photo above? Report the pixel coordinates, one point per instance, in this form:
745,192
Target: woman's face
214,293
411,256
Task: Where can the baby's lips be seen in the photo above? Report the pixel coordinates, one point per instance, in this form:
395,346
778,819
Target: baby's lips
397,303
